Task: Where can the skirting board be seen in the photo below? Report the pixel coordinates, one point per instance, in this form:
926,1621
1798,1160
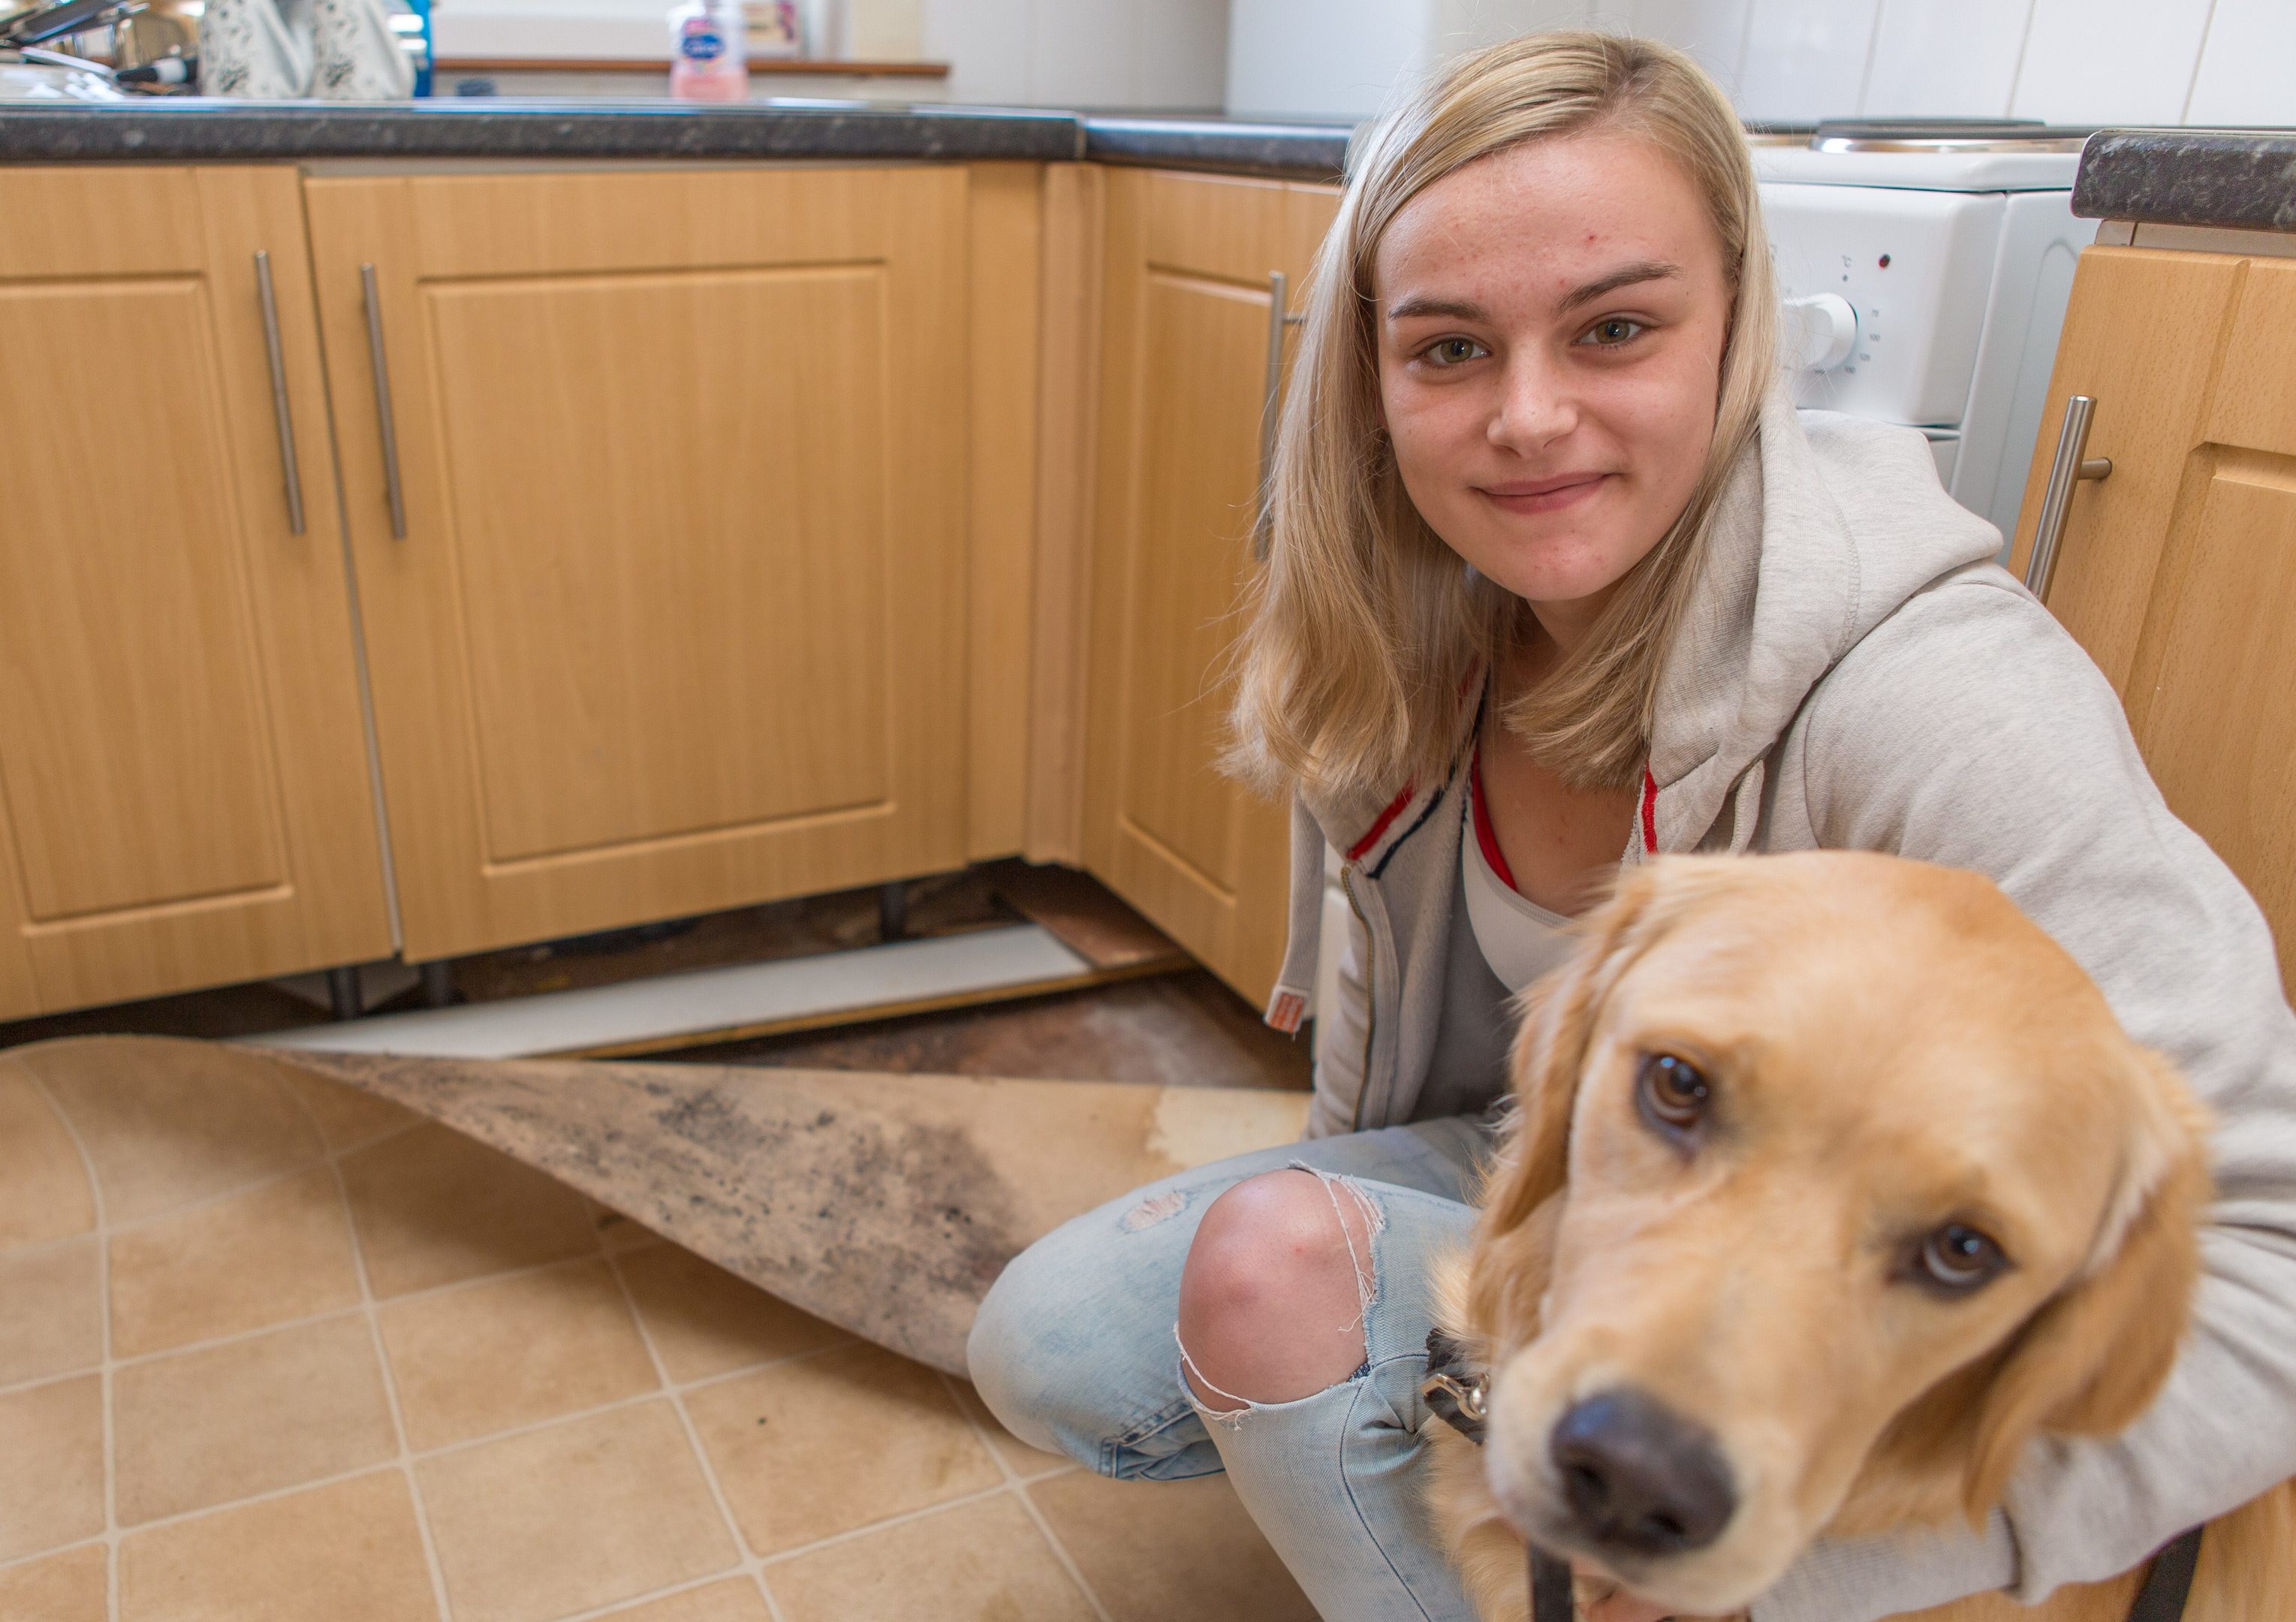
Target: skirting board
789,993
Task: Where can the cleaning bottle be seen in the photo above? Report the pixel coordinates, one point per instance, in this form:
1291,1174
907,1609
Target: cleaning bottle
709,52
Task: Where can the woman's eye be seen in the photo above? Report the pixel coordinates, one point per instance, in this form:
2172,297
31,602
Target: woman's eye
1672,1092
1957,1258
1452,351
1612,332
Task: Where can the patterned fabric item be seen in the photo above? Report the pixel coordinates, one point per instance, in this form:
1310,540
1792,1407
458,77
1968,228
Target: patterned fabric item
282,49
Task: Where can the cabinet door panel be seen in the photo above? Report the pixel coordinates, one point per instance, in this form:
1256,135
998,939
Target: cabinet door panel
2177,570
602,494
2216,725
678,621
1184,367
183,791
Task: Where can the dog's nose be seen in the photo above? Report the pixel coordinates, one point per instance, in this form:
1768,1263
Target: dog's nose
1640,1476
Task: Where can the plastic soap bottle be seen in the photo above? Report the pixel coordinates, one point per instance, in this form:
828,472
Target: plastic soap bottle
709,52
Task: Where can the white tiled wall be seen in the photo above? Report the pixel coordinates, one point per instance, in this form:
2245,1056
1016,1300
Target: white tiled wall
2079,61
1091,54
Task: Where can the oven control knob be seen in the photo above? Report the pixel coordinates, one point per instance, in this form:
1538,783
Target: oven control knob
1818,332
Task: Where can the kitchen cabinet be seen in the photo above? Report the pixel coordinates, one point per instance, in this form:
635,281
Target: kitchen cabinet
1183,368
656,485
184,797
2177,570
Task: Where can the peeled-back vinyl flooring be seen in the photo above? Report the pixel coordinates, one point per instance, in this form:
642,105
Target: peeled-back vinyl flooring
275,1350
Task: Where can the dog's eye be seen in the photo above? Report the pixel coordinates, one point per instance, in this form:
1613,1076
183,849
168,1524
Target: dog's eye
1957,1258
1672,1092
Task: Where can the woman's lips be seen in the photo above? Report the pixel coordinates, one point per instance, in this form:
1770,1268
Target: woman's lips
1542,495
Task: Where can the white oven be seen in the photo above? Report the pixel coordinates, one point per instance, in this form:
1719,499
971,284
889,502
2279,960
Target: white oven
1925,281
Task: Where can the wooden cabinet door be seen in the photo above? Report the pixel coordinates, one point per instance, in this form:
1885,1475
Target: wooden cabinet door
183,791
2177,571
1184,369
677,621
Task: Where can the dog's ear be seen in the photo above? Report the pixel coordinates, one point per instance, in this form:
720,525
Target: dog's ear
2093,1359
1557,1017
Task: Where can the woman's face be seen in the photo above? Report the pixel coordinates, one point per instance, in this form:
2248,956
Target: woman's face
1551,322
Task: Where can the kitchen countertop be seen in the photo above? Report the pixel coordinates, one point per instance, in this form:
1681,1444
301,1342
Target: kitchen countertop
2244,179
190,129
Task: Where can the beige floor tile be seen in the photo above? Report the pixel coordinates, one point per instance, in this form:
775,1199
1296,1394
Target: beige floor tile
61,1588
704,1321
243,1261
349,1552
167,1125
735,1600
51,1466
809,1448
347,1117
51,1312
571,1517
250,1416
1155,1549
433,1207
511,1351
1023,1459
44,1192
983,1561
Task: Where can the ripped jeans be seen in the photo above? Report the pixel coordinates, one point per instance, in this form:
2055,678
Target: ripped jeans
1074,1350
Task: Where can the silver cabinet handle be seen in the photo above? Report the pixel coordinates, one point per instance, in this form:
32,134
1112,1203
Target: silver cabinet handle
1278,318
383,404
2067,468
285,419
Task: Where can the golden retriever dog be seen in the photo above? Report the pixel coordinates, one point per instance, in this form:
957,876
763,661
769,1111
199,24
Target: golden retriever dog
1832,1183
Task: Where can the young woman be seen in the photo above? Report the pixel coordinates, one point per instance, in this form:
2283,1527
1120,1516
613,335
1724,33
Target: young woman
1558,573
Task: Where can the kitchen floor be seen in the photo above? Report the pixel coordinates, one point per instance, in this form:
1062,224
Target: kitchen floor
273,1350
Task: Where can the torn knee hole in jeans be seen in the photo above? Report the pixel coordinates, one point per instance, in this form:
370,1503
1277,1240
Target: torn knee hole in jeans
1360,1261
1374,1222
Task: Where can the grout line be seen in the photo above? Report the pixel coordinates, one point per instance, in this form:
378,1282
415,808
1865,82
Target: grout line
2017,73
2199,58
382,1362
749,1560
783,1556
1013,1482
103,1232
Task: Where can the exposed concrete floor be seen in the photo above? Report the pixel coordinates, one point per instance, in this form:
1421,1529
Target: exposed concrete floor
1185,1029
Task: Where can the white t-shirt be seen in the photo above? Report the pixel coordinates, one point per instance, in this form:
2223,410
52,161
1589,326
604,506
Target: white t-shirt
1521,939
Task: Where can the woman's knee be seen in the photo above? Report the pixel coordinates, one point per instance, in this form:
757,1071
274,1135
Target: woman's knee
1272,1297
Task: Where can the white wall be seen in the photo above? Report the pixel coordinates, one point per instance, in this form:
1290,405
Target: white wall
1088,53
2074,61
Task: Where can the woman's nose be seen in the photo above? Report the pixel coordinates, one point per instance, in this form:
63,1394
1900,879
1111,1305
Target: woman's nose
1535,407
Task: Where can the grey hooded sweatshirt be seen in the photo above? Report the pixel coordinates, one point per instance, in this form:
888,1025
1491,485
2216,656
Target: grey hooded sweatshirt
1855,673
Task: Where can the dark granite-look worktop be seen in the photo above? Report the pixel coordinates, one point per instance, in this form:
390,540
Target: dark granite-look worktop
2241,178
186,129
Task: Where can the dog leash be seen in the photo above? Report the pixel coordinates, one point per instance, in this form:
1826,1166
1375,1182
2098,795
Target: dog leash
1454,1392
2169,1583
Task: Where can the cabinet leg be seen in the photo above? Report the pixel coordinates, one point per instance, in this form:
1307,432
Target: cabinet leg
438,984
343,993
892,911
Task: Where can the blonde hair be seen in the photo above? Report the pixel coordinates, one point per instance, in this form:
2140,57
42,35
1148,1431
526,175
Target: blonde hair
1364,623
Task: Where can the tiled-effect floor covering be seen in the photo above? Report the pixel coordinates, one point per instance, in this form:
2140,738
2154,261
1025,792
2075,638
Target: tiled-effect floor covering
271,1350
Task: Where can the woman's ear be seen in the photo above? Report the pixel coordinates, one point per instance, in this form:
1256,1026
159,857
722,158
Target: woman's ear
2095,1357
